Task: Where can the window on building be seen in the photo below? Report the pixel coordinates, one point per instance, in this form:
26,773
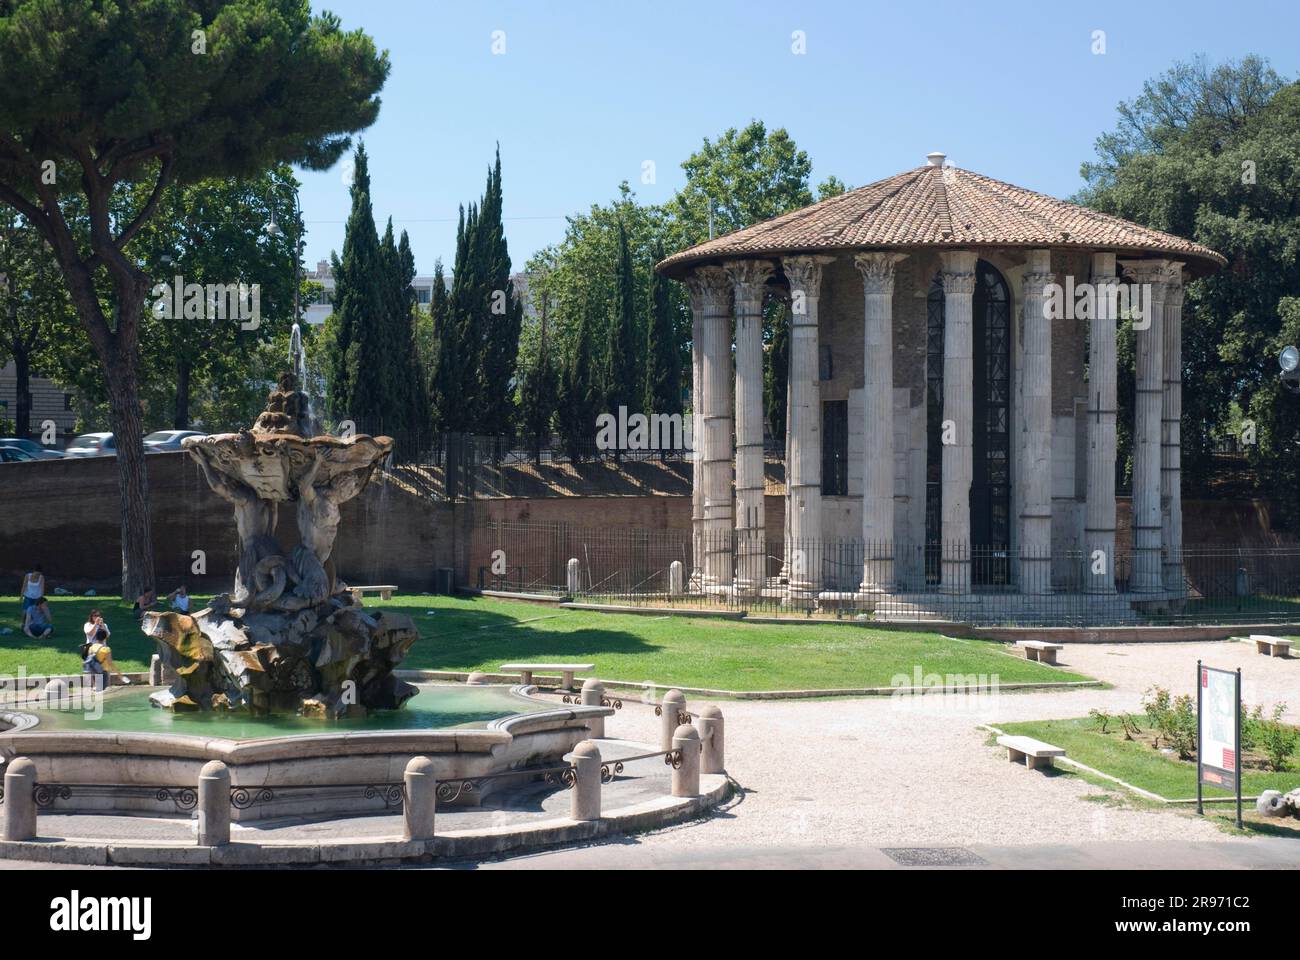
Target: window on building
835,448
423,294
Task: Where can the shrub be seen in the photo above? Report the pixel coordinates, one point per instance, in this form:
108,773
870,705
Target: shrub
1100,719
1174,718
1277,739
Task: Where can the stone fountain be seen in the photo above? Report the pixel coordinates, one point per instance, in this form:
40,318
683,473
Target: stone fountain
290,637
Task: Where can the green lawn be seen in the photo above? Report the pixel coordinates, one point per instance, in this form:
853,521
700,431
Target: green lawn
1138,763
480,634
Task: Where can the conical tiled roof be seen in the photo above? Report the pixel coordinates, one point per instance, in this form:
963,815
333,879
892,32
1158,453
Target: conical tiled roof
942,206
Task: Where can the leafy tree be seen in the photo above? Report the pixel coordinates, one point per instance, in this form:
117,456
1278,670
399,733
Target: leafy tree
1214,154
619,382
539,386
581,397
101,96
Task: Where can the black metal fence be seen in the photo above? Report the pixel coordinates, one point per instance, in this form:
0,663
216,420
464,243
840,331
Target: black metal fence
886,581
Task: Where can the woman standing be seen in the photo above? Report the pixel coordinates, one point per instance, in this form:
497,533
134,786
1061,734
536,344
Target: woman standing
33,587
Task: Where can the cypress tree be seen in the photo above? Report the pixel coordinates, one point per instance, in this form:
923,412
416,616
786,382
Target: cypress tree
441,386
503,313
415,402
355,339
580,393
620,375
663,355
467,305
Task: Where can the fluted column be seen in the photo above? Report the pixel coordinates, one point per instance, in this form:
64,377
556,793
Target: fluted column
711,294
697,432
1171,494
803,465
877,271
958,277
1099,517
748,278
1035,539
1148,321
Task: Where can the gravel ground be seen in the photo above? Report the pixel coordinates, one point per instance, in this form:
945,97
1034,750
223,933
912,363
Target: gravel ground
916,772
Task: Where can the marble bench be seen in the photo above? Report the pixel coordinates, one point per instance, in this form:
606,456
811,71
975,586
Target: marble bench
1041,650
1271,646
567,670
1036,754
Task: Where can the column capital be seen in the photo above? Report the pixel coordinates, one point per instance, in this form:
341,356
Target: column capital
1036,284
805,272
877,270
708,286
1103,266
1173,278
958,274
1154,272
748,276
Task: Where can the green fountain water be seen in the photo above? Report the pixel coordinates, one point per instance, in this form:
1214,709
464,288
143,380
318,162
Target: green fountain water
434,707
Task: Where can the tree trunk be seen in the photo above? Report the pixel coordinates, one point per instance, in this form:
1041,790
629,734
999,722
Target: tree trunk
23,393
132,480
182,418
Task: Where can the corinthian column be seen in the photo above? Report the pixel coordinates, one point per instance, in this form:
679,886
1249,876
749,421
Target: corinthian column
748,278
1147,316
1035,538
958,278
1099,518
877,271
710,291
1171,493
803,481
697,429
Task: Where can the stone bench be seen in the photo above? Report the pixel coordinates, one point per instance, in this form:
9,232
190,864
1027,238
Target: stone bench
1271,646
385,591
1036,754
567,670
1041,650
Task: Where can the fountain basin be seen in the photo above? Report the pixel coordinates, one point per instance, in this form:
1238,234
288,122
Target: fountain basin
353,767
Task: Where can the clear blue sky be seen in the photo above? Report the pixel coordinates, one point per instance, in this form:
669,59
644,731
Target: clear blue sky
587,91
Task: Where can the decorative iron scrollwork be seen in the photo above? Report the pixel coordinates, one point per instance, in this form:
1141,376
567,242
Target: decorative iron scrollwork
449,791
184,798
673,758
241,798
608,771
45,794
615,703
567,778
576,699
393,794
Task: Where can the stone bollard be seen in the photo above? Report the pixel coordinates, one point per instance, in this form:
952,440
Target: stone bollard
572,578
421,801
19,806
586,789
54,694
480,680
155,671
686,777
711,736
670,711
593,691
676,579
214,804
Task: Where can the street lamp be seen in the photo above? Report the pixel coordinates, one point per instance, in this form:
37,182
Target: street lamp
1289,361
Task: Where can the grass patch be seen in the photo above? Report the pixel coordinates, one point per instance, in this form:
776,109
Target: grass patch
1137,763
476,633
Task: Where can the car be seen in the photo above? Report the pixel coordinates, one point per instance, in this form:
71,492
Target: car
161,441
92,445
14,455
32,447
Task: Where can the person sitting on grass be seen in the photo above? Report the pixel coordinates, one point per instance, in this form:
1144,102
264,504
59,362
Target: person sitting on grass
37,622
97,661
144,602
179,599
33,588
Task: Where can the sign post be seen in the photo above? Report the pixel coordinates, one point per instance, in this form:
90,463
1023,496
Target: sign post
1218,732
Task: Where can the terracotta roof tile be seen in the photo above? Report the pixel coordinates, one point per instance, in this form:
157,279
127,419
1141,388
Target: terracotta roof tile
942,206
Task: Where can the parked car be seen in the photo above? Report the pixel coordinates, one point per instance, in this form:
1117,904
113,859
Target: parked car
14,455
32,447
164,440
92,445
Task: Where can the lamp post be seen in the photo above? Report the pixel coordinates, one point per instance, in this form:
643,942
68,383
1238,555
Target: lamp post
1289,361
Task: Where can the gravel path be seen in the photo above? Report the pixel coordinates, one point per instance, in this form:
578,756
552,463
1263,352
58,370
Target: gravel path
916,772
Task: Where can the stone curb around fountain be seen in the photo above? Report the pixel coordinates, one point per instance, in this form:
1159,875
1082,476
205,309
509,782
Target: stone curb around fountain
451,846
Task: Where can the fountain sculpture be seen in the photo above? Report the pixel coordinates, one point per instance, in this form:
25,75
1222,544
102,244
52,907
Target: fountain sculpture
290,637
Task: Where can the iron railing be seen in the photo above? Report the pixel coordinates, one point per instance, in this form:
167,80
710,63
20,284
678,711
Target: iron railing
888,581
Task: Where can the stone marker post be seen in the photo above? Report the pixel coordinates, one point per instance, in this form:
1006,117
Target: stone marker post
572,578
673,705
676,579
593,691
214,804
155,671
686,776
421,801
711,760
586,788
19,806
